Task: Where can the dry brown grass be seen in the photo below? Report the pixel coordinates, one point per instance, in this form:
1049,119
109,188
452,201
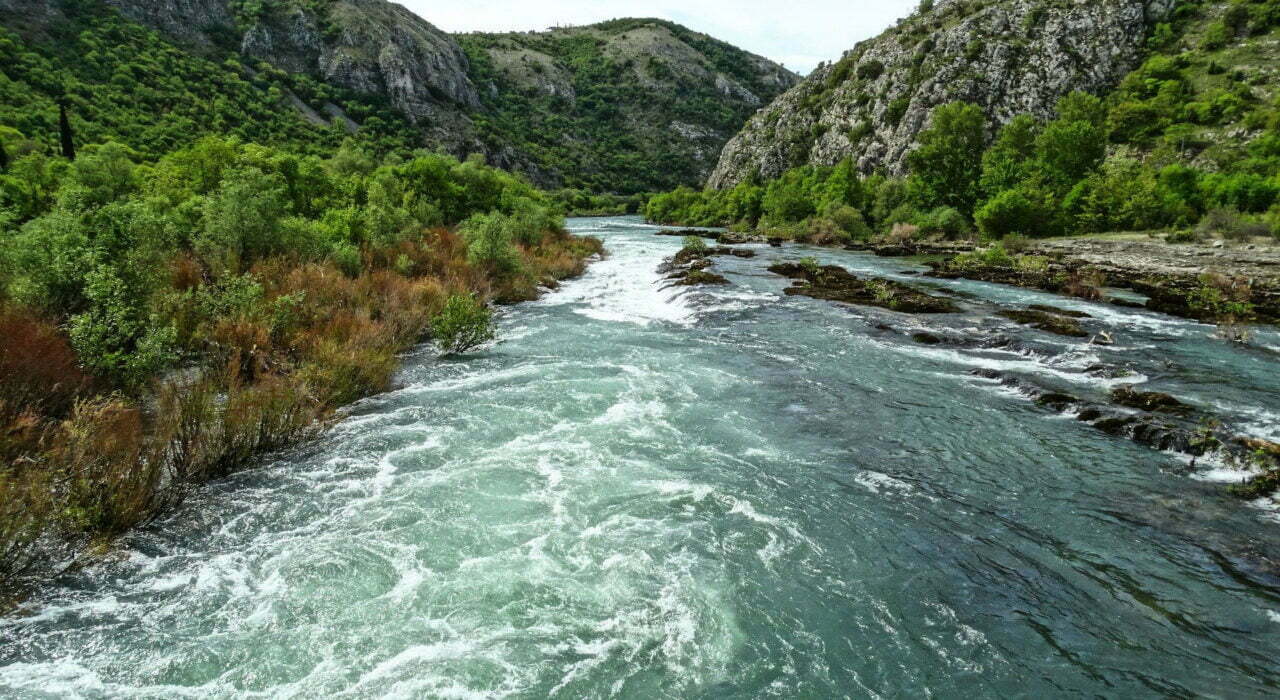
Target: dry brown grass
39,372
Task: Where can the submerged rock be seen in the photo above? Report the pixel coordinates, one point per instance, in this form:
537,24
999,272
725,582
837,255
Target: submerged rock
833,283
1149,401
1048,322
1058,312
739,238
689,266
689,256
1057,401
1260,446
694,278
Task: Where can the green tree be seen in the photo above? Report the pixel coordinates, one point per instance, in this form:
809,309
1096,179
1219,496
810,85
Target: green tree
241,219
490,245
1008,162
1023,211
946,168
1072,146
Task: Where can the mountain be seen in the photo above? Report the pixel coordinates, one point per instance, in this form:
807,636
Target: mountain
626,105
623,106
1010,57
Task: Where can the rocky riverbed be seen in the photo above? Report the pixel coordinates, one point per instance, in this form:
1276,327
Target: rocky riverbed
1199,281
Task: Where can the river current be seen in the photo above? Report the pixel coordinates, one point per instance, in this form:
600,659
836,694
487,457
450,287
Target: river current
721,492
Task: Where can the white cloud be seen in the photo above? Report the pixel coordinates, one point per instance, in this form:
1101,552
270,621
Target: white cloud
798,33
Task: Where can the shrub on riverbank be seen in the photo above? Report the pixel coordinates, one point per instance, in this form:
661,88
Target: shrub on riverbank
464,324
162,323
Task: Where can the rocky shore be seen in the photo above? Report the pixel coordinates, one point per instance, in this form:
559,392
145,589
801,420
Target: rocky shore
1201,282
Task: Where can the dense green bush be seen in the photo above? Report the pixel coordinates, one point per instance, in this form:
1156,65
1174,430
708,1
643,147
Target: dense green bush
943,221
946,167
464,324
1017,211
491,242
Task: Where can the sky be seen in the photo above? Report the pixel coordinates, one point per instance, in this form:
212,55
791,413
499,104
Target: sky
797,33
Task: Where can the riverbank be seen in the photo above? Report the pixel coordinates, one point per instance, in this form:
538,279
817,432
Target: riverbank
1214,282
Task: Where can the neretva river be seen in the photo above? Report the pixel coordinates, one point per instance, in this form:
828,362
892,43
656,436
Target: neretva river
707,493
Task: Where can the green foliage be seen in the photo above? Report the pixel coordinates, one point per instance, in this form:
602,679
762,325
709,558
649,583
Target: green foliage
1008,161
463,325
943,221
837,196
789,198
116,337
1067,151
240,220
491,242
896,110
1021,211
870,70
847,219
994,255
103,235
946,167
695,244
1125,196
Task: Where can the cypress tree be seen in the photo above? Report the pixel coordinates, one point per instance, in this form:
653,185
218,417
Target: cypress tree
64,126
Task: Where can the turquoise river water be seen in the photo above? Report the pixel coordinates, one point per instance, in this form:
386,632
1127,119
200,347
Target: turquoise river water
712,493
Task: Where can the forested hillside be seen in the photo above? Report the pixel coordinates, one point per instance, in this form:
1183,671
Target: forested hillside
623,107
122,82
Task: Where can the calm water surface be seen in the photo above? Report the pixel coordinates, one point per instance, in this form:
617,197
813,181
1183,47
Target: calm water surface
719,493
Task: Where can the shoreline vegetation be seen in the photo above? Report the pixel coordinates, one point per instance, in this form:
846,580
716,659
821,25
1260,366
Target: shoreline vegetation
163,323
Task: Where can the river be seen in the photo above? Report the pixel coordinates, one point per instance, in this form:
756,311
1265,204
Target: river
712,493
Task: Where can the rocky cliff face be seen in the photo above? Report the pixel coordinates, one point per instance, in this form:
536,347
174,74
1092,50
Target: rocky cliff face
1009,56
194,22
379,48
371,46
